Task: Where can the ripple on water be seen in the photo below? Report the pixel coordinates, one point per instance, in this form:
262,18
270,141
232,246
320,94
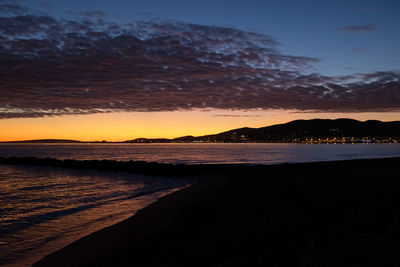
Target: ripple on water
43,208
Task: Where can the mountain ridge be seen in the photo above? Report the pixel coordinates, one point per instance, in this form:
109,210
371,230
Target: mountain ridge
303,130
297,131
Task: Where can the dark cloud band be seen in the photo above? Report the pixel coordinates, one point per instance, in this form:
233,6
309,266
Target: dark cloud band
52,67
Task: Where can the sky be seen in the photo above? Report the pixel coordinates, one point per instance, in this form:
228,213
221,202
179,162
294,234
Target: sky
118,70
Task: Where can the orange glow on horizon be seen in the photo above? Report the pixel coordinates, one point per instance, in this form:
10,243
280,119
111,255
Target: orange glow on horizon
130,125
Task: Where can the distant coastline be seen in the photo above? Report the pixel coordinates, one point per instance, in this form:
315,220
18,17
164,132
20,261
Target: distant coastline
314,131
151,141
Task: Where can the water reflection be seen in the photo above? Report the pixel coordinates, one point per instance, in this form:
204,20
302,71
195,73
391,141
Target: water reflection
203,153
43,209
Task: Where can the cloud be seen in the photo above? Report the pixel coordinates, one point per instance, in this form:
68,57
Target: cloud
9,8
235,115
53,67
358,28
89,14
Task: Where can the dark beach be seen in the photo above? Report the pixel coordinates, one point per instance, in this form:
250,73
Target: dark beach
342,213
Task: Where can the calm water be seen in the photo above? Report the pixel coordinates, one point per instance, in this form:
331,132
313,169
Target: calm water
43,209
204,153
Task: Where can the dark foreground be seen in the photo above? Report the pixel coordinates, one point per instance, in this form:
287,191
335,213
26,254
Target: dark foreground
317,214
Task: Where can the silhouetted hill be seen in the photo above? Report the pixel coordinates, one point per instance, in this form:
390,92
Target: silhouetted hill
316,130
301,130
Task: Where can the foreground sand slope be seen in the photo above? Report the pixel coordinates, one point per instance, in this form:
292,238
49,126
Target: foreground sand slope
330,214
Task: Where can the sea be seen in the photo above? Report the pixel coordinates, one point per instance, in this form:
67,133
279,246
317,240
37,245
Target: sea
45,208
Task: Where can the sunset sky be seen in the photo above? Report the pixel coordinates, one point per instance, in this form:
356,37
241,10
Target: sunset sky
118,70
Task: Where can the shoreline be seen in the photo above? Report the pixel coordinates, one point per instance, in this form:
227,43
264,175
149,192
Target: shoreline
41,232
36,253
339,212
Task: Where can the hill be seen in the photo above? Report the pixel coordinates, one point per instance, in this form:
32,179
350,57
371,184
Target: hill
298,131
304,130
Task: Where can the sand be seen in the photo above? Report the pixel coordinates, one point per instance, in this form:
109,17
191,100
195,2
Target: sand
314,214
